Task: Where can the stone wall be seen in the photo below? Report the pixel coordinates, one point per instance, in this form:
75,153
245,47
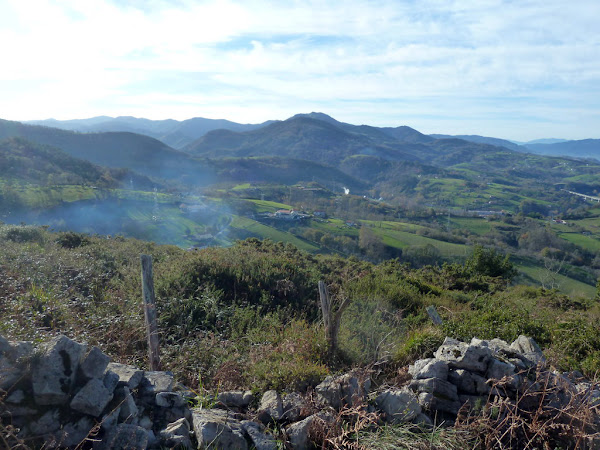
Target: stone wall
64,394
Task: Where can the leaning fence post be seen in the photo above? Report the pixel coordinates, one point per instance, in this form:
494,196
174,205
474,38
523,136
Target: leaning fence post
331,320
434,316
150,311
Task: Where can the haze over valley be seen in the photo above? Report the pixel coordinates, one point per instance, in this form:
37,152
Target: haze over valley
361,190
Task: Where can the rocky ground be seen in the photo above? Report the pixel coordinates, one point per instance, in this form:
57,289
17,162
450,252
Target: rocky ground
63,394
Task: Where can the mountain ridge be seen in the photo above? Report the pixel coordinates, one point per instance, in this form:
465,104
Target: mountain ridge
172,132
141,153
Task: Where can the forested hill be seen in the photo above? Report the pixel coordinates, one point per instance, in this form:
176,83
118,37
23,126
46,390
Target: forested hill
300,138
27,162
137,152
174,133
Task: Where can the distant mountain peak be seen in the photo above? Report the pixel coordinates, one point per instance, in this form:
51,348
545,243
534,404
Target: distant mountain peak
318,116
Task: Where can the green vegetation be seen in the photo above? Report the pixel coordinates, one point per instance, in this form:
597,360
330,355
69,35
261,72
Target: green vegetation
248,316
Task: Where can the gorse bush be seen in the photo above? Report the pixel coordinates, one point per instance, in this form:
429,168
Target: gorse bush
489,262
24,234
263,274
249,316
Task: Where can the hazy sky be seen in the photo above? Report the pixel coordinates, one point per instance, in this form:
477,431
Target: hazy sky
513,69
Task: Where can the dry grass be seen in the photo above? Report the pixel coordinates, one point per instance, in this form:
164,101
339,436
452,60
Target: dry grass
548,413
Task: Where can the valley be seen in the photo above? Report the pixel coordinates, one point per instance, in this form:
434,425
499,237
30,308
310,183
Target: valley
244,225
364,191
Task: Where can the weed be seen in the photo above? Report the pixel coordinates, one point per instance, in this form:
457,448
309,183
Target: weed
547,413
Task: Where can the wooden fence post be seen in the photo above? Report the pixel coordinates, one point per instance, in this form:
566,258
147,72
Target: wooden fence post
150,312
331,320
433,315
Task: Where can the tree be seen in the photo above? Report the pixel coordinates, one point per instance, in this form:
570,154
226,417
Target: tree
371,244
490,262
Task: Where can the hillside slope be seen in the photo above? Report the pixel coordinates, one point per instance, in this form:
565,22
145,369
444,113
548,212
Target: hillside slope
141,153
27,162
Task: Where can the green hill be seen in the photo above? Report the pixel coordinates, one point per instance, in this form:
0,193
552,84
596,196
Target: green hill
140,153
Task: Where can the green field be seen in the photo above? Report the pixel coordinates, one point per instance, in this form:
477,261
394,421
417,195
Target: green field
266,232
475,225
586,242
537,275
267,206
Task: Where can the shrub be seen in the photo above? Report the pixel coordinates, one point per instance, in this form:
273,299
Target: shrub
421,343
72,240
489,262
24,233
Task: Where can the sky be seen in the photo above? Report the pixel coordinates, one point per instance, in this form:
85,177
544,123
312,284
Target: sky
521,70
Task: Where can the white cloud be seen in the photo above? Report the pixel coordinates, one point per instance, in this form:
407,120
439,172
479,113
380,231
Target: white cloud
260,59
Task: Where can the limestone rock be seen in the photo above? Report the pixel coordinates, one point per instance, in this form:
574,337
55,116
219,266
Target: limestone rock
460,355
4,345
501,347
343,390
524,344
474,401
399,405
94,364
468,383
126,437
146,422
298,433
54,375
293,404
110,419
16,397
417,366
177,434
235,399
92,398
128,375
529,350
128,409
271,407
170,400
433,385
260,439
499,370
110,380
433,369
48,423
423,420
19,350
217,429
436,395
435,402
9,374
154,382
76,432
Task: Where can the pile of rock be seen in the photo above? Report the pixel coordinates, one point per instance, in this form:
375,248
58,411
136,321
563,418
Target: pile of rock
471,375
461,373
64,394
293,413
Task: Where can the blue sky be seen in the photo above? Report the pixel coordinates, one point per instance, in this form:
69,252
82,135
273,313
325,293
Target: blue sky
513,69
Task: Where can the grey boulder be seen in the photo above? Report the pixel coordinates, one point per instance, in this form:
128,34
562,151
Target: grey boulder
217,429
54,375
460,355
399,405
